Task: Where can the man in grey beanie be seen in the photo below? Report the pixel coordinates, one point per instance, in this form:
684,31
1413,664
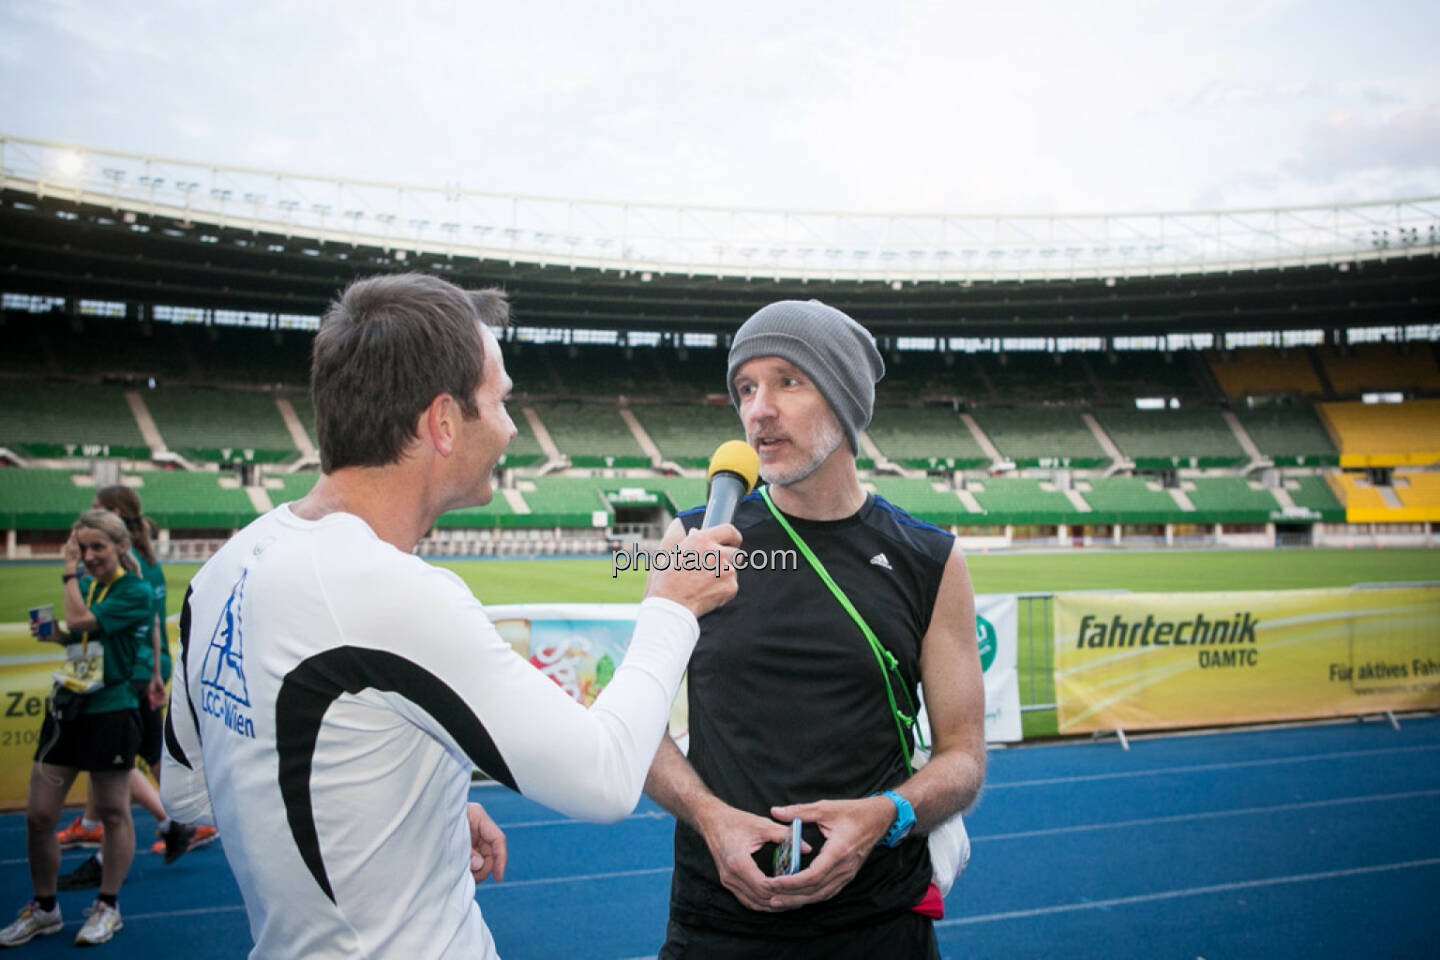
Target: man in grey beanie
791,711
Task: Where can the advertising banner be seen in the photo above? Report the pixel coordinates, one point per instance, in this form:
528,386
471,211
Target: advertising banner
27,669
1146,660
578,645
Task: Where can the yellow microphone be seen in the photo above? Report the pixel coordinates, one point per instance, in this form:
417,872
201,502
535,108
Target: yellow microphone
734,468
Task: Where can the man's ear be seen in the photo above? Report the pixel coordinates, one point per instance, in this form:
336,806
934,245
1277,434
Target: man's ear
439,424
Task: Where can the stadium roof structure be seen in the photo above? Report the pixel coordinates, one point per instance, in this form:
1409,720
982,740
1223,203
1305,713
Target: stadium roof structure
98,234
652,240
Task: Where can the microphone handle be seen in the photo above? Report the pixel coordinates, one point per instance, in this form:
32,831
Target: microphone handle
726,489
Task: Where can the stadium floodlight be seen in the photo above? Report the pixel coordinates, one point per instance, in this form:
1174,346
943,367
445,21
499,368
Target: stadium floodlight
70,164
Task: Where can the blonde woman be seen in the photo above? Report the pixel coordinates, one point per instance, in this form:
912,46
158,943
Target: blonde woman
152,672
109,609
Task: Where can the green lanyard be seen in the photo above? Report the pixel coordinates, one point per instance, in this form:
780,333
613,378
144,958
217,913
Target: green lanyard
884,658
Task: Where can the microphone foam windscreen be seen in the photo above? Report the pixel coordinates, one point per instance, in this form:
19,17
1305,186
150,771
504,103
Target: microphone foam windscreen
737,457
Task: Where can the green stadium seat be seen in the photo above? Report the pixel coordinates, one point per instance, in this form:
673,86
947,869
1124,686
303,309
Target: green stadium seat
204,424
688,433
932,437
1023,500
1229,500
920,499
41,499
1189,436
1041,436
591,433
47,418
1290,435
1129,500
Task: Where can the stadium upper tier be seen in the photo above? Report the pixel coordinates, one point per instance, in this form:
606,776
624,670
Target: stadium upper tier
165,265
1384,434
649,238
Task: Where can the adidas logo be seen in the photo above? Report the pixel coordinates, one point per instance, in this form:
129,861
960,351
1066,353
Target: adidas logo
879,560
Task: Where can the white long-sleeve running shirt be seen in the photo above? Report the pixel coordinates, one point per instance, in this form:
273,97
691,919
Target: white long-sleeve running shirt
333,698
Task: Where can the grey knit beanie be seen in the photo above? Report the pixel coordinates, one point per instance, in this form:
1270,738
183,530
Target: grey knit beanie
834,351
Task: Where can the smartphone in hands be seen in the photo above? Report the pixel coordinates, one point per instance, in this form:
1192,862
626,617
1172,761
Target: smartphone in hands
787,854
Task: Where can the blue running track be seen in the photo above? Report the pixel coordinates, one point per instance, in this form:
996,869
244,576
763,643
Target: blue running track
1313,841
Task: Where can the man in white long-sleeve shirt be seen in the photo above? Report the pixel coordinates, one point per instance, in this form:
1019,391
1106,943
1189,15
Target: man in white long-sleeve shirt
336,691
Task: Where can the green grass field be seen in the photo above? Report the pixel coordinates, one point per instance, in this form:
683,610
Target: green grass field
589,581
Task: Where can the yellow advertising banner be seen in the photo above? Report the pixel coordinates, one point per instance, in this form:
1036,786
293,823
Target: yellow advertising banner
1156,660
26,668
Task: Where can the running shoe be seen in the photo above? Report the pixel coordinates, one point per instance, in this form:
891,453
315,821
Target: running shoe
203,835
83,876
76,835
31,922
173,843
102,922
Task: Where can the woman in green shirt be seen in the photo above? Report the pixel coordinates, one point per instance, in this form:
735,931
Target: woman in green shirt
152,672
110,610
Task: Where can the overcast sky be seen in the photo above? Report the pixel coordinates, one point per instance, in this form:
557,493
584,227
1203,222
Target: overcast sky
1080,105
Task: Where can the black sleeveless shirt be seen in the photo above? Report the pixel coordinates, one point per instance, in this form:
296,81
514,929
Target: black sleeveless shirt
788,705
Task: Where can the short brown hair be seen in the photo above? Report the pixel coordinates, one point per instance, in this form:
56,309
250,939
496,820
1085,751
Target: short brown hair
386,349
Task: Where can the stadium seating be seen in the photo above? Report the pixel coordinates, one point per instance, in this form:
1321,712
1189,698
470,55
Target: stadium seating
1381,367
1190,436
683,492
912,375
1129,500
293,486
925,437
1384,434
494,514
52,419
591,433
1148,373
1420,493
921,500
1314,493
41,499
1289,434
1028,377
176,498
576,497
1229,500
1264,370
1041,436
1021,500
205,424
688,433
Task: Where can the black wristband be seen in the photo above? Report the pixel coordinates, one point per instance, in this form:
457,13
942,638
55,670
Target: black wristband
67,577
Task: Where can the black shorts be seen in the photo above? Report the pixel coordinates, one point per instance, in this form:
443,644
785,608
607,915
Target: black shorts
152,730
98,742
906,936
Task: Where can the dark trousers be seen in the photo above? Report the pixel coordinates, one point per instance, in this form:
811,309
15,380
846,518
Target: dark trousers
907,936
